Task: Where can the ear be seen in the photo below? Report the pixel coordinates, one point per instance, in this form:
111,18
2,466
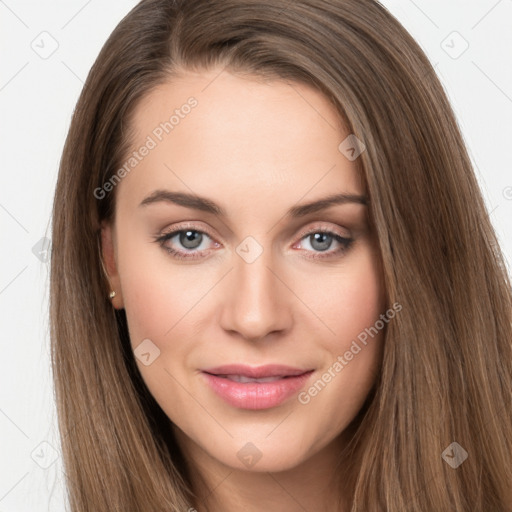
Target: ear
109,259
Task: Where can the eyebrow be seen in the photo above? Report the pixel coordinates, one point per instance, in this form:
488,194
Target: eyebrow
207,205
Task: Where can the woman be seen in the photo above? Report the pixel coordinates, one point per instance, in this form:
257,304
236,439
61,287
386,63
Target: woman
274,282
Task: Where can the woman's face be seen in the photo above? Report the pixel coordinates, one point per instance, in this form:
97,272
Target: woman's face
253,280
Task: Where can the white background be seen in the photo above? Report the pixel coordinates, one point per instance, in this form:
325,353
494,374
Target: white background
37,98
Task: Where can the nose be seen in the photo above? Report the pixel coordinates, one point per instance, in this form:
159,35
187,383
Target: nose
257,299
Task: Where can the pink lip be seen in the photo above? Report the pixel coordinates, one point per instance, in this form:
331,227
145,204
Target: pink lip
256,395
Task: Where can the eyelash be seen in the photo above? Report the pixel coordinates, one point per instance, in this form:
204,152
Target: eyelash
346,243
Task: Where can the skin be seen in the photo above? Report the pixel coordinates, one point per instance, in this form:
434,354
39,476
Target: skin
256,148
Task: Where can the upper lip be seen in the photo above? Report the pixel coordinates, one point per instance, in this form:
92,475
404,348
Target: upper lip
256,372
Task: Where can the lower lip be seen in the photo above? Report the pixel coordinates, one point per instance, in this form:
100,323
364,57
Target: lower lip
256,395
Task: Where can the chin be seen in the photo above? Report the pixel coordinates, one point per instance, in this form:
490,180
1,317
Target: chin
259,457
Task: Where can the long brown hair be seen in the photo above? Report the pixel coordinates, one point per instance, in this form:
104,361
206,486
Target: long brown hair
446,374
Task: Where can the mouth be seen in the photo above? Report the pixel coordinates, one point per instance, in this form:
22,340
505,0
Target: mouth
254,388
244,379
256,372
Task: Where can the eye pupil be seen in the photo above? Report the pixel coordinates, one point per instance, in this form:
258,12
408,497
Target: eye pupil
321,238
189,238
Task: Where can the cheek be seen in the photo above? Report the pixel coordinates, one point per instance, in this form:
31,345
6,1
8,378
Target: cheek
159,301
152,295
350,300
351,306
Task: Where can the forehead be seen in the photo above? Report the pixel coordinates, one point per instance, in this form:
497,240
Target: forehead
236,138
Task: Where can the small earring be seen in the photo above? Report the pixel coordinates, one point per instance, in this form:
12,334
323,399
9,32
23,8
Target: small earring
112,294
